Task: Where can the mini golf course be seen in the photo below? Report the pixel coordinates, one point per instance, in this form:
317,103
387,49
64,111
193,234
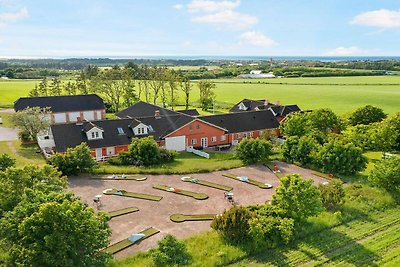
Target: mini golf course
123,193
123,244
270,166
120,212
199,196
178,218
245,179
206,183
119,177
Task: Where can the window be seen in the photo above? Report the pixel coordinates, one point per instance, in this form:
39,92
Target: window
223,137
93,135
194,141
261,133
198,126
213,139
97,134
244,135
238,135
190,127
251,134
120,130
151,128
139,130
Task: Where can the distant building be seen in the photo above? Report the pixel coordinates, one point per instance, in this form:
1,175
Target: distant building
257,74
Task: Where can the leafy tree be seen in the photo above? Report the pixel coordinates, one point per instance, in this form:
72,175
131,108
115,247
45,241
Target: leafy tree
70,88
14,182
55,229
170,252
386,174
336,157
186,87
297,198
332,194
358,135
394,121
32,121
324,120
233,224
253,150
382,136
34,92
296,124
42,88
207,95
6,161
299,149
173,81
55,87
366,115
75,160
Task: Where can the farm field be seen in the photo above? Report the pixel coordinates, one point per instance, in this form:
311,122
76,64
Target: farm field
341,94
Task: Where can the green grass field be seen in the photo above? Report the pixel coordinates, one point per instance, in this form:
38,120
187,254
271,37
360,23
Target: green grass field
341,94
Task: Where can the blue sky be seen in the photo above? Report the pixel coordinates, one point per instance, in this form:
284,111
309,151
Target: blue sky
118,28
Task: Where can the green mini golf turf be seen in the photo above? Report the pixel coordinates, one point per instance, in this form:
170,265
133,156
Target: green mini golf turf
250,181
123,244
124,193
120,212
199,196
270,166
198,217
206,183
119,177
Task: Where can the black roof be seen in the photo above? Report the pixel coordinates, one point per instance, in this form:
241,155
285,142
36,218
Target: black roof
283,111
72,134
61,103
251,105
143,109
190,112
244,121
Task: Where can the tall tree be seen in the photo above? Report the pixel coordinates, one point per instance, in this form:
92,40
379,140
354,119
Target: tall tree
207,95
70,88
42,88
55,87
81,84
34,92
32,121
173,81
186,87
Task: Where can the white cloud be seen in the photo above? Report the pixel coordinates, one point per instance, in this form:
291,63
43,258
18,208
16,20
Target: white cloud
257,39
382,18
212,6
345,51
227,19
6,18
178,6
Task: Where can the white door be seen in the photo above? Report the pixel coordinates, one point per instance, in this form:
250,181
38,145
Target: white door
99,153
177,143
204,142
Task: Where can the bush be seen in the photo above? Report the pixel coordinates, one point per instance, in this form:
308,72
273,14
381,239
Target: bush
299,149
332,194
387,175
6,162
336,157
170,251
167,155
297,198
233,224
366,115
254,150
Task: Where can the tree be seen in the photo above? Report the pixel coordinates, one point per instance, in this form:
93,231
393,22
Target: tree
386,174
170,252
75,160
296,124
332,194
297,198
336,157
70,88
157,83
382,136
81,84
207,95
42,88
55,87
6,161
394,121
32,121
366,115
186,87
233,224
253,150
34,92
173,80
300,149
324,120
55,229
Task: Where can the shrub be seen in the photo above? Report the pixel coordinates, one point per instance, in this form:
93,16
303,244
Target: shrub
233,224
170,251
366,115
332,194
167,155
297,198
6,161
296,124
387,175
253,150
336,157
299,149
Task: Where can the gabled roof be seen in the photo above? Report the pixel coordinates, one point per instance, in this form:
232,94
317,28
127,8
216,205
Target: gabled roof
61,103
244,121
190,112
250,105
89,126
143,109
283,111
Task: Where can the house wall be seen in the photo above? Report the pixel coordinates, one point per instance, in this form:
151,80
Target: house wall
67,117
193,131
252,134
117,150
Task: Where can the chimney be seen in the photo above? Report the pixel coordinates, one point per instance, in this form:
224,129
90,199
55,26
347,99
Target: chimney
278,103
157,114
266,102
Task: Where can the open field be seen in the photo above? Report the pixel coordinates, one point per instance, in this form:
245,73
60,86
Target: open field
341,94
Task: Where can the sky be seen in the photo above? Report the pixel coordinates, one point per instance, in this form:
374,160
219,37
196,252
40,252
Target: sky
134,28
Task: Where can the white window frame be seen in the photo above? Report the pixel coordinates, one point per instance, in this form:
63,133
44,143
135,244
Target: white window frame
238,135
223,137
213,139
250,134
244,135
194,141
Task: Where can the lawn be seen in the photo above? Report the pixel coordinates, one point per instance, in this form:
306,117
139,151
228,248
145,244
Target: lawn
184,163
24,154
341,94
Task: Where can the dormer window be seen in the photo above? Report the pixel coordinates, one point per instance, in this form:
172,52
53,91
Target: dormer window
140,129
120,130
